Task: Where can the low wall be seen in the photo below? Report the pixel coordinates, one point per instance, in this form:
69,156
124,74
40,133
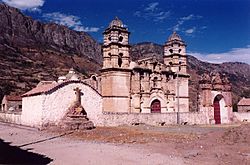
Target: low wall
11,117
242,116
112,119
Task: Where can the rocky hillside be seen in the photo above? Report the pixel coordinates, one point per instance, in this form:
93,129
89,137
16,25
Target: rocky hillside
146,49
31,51
238,73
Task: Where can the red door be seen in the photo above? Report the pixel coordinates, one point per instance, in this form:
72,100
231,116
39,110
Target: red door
217,111
156,106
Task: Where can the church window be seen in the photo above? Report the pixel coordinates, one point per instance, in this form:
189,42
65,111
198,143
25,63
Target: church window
120,39
154,82
120,59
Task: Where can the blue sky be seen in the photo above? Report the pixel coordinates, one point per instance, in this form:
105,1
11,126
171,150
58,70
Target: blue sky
214,30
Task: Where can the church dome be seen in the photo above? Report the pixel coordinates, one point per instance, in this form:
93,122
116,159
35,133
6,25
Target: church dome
116,22
174,36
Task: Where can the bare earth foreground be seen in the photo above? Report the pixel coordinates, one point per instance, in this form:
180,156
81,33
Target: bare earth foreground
217,144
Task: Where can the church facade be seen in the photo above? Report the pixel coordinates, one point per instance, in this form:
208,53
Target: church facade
146,85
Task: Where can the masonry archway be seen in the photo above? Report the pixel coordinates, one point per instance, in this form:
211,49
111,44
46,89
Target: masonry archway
156,106
220,110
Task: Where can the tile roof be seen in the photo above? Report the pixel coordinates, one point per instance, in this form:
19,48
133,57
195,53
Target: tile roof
244,101
50,87
13,98
40,89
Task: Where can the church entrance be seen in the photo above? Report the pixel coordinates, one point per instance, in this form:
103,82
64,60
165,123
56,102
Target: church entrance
156,106
217,116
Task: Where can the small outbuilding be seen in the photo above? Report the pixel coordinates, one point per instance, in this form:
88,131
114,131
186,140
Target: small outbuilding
244,105
11,103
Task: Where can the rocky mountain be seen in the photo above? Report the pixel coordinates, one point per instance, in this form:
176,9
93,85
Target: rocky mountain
31,51
146,49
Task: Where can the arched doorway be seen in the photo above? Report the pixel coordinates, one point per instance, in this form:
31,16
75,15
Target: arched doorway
217,110
156,106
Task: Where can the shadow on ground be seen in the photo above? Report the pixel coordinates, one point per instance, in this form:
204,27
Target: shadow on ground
15,155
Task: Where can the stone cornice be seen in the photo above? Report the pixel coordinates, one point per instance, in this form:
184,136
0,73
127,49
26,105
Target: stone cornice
115,69
117,44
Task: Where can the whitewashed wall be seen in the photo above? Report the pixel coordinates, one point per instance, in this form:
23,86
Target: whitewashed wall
56,104
32,110
242,116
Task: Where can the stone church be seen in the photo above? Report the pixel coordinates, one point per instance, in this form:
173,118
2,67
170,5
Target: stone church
148,90
146,85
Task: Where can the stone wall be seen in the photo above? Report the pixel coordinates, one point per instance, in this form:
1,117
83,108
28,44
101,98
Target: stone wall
112,119
11,117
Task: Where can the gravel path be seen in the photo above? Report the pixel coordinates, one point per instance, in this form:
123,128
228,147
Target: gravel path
63,150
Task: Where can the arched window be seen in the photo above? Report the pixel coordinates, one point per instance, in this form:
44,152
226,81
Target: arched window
120,59
120,39
156,106
155,82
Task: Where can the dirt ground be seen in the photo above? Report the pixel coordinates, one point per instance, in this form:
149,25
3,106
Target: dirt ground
141,144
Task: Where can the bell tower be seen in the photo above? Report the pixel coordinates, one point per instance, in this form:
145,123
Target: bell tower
175,53
115,73
176,59
116,46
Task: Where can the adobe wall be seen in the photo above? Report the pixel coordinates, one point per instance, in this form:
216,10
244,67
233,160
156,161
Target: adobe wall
10,117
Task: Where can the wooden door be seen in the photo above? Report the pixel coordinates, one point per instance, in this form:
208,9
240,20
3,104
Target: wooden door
156,106
217,111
